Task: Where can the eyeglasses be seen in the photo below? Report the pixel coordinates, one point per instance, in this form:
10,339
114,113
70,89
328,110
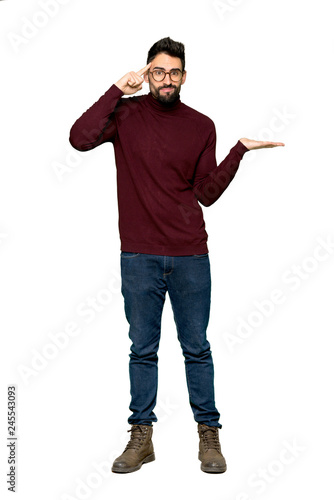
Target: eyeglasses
159,75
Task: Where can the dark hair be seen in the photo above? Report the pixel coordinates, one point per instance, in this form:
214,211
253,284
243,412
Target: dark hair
167,46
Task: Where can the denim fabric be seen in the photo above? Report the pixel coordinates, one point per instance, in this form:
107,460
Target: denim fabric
145,280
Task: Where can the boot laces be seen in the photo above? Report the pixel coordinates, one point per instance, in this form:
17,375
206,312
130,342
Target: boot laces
210,438
138,435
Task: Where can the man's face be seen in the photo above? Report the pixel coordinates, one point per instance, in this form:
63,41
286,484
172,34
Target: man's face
166,91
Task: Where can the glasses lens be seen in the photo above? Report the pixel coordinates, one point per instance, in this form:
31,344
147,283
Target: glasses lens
175,75
158,75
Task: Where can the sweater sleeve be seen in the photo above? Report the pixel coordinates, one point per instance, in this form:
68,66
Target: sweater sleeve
96,125
211,181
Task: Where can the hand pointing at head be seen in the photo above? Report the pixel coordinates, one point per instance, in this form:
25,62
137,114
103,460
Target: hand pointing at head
132,81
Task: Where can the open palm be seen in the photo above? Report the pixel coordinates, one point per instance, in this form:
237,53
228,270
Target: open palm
252,144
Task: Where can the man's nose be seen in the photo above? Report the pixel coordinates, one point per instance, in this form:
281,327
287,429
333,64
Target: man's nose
167,78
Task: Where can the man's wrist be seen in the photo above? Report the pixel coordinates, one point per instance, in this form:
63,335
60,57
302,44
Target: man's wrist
240,148
116,88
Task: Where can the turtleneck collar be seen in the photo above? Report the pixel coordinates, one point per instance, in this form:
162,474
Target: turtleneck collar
159,106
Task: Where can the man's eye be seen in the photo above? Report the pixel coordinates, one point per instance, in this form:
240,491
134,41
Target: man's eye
175,73
158,73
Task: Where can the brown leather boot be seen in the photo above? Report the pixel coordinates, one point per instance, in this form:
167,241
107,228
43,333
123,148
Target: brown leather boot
209,449
138,451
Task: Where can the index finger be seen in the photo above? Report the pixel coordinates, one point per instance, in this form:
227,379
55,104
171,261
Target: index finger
142,71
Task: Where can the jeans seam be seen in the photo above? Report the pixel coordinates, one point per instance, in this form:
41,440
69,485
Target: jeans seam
188,380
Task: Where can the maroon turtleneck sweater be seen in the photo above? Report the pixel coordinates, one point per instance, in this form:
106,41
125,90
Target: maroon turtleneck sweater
166,164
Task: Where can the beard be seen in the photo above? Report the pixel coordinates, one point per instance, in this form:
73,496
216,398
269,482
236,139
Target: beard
169,98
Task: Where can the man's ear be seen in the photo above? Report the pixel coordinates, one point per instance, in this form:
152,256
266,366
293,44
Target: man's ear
184,78
146,77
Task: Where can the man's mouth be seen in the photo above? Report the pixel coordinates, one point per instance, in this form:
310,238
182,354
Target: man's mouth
167,89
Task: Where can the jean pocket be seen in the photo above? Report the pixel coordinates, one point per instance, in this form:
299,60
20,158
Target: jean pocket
129,255
202,255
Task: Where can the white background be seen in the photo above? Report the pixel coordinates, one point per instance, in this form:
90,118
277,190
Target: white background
249,62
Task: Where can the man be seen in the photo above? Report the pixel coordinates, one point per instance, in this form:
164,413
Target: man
166,165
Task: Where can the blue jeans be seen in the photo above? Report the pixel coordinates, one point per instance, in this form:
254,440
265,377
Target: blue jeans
145,280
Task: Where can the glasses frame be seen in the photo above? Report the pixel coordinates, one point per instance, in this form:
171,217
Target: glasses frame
167,73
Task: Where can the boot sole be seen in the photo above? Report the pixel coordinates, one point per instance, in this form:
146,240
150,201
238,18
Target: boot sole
213,470
124,470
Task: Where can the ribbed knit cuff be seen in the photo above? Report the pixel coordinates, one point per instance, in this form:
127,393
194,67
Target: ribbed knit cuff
240,148
115,91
